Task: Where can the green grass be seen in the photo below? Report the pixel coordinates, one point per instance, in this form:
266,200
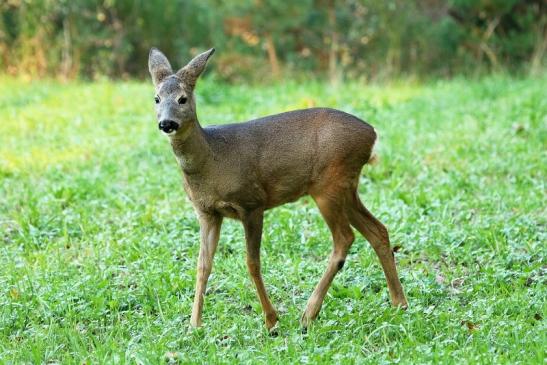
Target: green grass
97,255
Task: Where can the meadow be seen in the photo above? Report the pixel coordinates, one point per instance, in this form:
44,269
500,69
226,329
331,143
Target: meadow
98,242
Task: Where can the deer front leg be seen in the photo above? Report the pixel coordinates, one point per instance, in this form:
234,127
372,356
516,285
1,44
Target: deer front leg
252,223
209,235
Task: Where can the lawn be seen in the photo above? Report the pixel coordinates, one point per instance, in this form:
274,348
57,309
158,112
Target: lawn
98,242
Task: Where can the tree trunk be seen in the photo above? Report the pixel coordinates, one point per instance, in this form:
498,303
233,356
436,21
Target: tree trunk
66,65
484,47
272,55
334,74
539,48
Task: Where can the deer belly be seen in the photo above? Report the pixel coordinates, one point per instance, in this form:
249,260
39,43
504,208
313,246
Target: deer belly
285,189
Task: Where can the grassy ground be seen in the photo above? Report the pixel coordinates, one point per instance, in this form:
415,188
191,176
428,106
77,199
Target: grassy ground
97,254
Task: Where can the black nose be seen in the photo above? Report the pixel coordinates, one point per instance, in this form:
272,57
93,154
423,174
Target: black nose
168,126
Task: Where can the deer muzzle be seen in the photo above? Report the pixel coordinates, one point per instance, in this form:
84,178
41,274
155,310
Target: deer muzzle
168,126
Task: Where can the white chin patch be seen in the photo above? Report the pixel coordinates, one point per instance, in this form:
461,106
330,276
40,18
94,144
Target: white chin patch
170,133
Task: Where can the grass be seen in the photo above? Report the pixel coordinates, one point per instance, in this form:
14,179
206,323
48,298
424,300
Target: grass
97,254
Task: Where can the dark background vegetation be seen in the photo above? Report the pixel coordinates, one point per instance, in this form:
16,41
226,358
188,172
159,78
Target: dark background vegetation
271,39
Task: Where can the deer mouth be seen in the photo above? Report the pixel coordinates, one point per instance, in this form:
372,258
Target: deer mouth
170,133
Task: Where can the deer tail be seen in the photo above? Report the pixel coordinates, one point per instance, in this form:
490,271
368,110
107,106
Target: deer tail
374,157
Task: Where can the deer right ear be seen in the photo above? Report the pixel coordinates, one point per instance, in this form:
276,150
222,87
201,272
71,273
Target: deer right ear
159,66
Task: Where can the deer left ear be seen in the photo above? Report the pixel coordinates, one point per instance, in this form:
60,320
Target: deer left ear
159,66
194,68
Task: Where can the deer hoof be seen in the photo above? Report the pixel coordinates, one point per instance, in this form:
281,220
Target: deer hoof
306,321
195,323
400,303
271,320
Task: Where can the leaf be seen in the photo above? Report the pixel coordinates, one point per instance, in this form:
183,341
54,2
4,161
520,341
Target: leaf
471,327
14,294
440,279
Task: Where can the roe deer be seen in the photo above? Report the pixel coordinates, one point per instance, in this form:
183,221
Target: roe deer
240,170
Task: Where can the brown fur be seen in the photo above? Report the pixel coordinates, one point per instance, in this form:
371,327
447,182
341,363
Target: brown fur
240,170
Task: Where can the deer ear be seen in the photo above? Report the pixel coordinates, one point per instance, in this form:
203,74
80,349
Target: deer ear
158,65
194,68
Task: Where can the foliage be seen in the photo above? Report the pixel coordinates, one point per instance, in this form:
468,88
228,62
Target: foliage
266,39
99,243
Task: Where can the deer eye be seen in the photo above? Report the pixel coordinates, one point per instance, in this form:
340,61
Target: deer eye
182,100
157,99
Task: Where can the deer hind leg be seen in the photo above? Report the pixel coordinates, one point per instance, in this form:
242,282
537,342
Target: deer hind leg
376,234
332,209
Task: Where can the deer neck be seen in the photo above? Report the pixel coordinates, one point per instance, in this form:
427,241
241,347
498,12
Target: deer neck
191,148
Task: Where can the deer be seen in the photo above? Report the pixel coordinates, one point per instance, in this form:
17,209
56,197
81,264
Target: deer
240,170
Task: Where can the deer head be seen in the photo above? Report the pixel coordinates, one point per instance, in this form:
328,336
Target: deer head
175,103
